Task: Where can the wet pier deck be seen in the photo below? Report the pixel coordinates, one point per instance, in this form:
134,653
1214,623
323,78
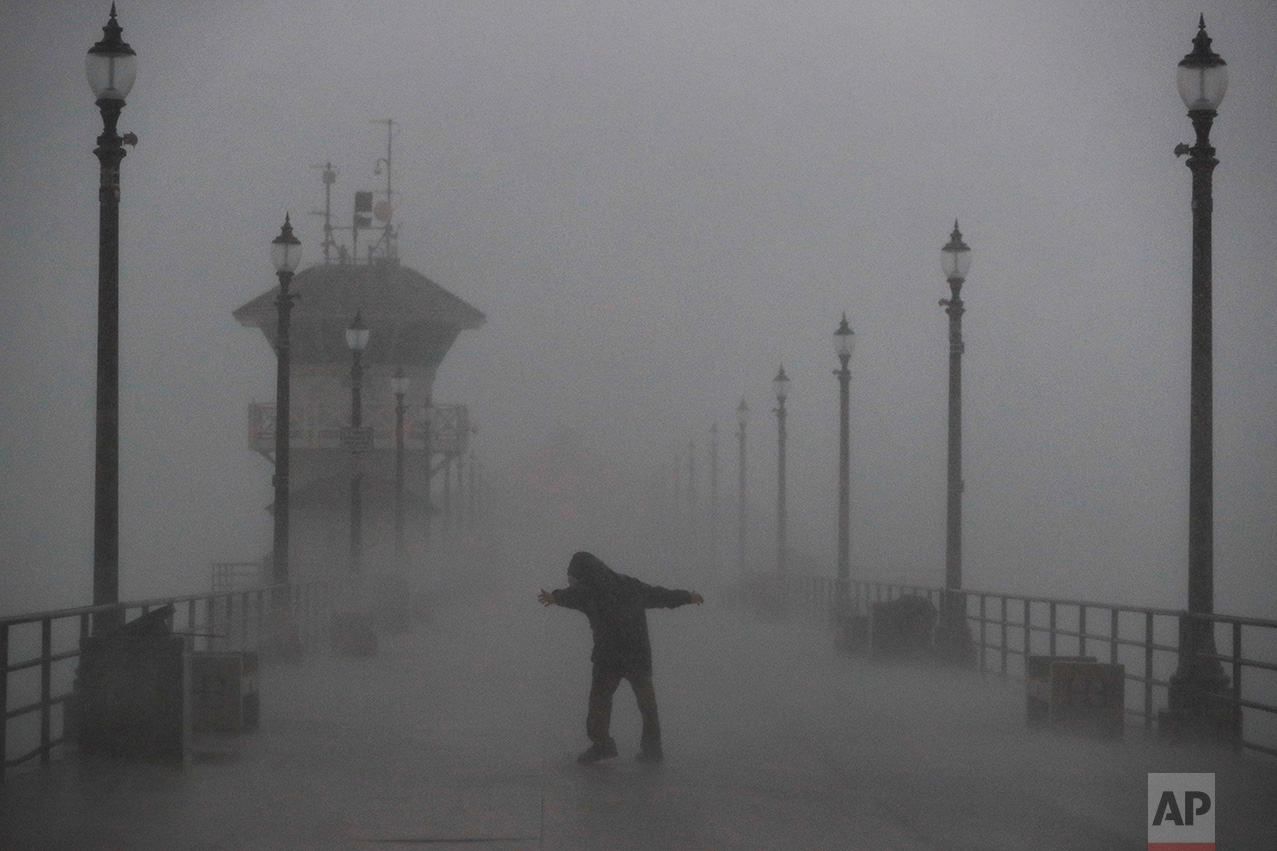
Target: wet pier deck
463,734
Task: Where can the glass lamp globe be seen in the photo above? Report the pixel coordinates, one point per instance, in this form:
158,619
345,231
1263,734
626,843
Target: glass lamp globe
285,249
955,257
780,384
111,64
844,339
400,383
357,334
1202,75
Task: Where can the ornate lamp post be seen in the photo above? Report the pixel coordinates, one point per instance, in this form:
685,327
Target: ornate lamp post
955,261
357,339
780,385
844,343
110,67
742,419
285,255
399,385
1202,77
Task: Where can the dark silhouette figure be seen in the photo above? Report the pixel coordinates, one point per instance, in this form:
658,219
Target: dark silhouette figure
616,606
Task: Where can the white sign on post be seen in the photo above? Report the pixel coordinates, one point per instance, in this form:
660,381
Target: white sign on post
1181,812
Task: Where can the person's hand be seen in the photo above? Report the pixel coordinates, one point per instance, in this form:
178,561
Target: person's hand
545,598
697,598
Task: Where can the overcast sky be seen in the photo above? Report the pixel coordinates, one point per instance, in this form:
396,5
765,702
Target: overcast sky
656,204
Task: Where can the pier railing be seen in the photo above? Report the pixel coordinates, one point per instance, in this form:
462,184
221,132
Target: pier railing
39,650
1007,628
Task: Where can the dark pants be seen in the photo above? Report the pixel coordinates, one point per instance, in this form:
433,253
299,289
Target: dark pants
603,685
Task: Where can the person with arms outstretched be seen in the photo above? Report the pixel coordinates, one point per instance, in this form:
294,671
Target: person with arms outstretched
616,606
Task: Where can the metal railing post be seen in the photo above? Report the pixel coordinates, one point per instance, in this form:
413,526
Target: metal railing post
1004,636
1148,670
982,633
210,615
1114,635
4,696
46,688
1028,635
1237,688
230,619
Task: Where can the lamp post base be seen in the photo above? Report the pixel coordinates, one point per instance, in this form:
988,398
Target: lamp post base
1195,712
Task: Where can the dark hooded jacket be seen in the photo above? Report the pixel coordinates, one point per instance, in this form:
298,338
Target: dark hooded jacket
616,606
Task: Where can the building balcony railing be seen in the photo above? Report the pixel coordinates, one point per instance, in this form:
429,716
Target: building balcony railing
449,426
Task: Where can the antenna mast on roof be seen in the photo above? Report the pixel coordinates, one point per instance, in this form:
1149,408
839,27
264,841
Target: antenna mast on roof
365,211
330,177
383,210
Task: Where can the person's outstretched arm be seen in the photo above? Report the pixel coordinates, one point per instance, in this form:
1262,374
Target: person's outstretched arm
656,597
572,597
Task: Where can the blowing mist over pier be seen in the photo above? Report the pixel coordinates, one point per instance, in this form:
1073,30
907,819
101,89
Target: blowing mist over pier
897,347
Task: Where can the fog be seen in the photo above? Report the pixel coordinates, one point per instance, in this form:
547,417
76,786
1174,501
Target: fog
655,205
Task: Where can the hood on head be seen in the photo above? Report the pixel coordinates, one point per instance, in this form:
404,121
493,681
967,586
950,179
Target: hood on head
588,568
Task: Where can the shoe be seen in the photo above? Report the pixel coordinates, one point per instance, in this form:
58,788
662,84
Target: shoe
597,751
650,752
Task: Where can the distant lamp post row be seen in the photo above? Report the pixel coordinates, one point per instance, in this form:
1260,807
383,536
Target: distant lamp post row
780,386
1202,78
955,263
111,67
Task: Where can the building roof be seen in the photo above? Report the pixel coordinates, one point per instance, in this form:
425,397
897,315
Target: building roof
411,318
381,290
